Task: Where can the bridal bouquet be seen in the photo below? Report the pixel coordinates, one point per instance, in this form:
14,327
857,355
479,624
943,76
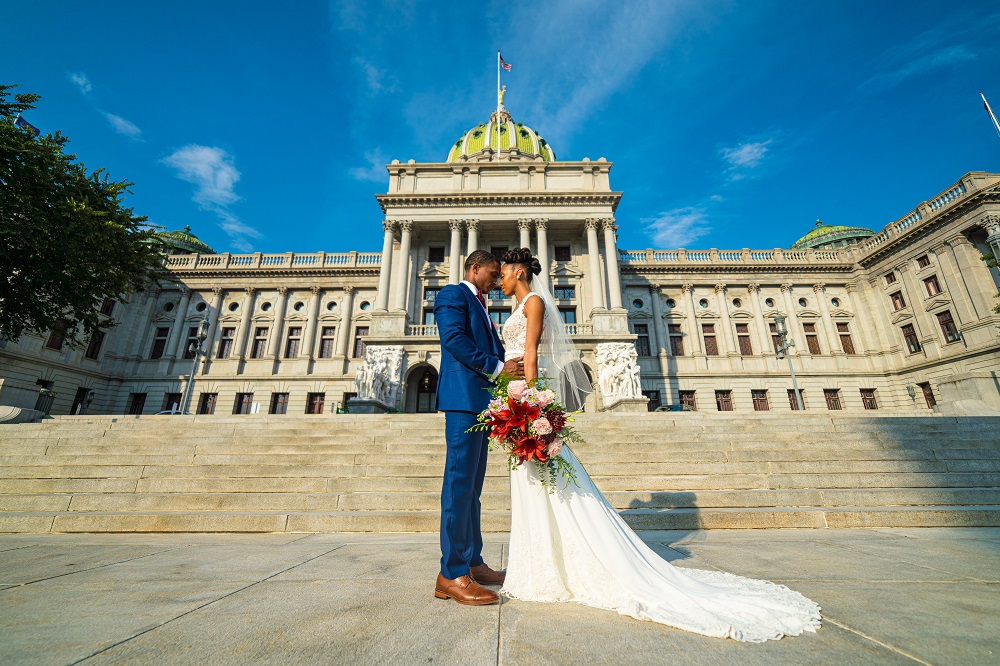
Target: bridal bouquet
527,422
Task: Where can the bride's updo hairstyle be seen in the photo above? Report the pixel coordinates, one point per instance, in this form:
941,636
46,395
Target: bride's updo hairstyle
522,257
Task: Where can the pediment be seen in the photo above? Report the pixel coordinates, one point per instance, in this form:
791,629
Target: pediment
329,317
808,313
937,303
434,270
163,318
262,317
770,314
840,313
567,271
902,316
674,315
742,314
296,317
707,314
640,314
229,318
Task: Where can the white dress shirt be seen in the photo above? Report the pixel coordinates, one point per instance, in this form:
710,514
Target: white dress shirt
475,292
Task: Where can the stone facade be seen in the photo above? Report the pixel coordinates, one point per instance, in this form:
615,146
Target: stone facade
907,310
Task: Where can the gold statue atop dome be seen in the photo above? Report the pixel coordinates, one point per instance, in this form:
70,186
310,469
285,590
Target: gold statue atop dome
500,95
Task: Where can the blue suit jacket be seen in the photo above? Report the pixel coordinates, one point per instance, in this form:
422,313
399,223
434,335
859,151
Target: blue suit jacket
470,350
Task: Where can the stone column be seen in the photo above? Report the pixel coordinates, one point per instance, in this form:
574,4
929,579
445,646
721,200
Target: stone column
524,225
455,256
862,336
765,346
385,267
593,253
914,296
406,228
831,331
692,322
542,238
659,334
473,228
611,259
213,321
973,269
874,301
344,332
992,225
311,323
727,324
178,336
135,350
794,332
243,333
274,341
955,286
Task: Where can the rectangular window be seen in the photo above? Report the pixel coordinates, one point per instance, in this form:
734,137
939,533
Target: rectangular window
760,400
294,342
430,293
499,317
207,402
498,252
564,292
108,307
428,317
868,399
832,398
314,403
172,402
192,342
243,403
562,253
497,295
846,343
948,328
259,347
812,340
159,343
898,302
775,338
676,339
226,342
793,403
568,315
360,333
910,336
57,338
654,400
94,348
688,401
327,341
932,286
136,403
890,278
928,394
642,339
279,403
711,346
435,255
743,337
923,261
724,401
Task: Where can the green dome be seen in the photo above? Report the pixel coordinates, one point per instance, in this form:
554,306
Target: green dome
825,236
480,142
183,242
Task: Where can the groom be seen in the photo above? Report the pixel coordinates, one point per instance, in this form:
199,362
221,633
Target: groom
471,358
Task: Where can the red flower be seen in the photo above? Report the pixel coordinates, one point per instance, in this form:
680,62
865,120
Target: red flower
557,418
530,448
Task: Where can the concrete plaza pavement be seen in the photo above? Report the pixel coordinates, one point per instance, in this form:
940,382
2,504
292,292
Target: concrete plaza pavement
889,596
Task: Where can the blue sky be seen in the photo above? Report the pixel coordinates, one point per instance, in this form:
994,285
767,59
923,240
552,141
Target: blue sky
266,127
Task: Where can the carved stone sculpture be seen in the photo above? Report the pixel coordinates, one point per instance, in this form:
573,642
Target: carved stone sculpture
618,372
381,375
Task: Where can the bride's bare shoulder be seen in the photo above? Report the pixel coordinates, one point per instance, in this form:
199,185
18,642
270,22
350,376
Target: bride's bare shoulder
533,307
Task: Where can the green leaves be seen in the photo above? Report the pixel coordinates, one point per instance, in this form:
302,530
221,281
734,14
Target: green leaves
67,243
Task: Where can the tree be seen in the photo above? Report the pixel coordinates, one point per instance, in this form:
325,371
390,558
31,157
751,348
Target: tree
67,242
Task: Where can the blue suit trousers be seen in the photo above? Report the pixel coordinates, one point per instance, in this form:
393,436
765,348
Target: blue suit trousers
464,473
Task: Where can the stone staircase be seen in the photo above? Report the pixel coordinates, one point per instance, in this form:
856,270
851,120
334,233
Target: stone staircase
343,473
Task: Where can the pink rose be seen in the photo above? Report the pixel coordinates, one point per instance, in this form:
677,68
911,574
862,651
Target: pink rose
554,448
546,397
541,426
516,388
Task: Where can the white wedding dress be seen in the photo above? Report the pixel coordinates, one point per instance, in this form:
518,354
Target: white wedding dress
571,545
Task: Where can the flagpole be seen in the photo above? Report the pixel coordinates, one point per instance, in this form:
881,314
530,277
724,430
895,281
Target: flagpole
986,104
496,148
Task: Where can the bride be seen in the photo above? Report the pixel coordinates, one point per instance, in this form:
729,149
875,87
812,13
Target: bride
571,545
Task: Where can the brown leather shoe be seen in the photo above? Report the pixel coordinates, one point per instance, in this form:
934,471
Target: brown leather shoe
486,576
464,590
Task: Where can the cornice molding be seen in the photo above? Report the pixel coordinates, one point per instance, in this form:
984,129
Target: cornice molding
465,199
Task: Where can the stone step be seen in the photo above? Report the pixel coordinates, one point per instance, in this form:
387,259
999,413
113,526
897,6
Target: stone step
494,521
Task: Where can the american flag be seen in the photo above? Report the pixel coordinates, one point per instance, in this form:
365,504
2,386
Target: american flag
506,66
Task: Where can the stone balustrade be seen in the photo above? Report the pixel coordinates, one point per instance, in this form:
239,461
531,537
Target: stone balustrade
286,261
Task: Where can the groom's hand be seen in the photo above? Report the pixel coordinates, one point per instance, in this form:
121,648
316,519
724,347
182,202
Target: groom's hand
514,367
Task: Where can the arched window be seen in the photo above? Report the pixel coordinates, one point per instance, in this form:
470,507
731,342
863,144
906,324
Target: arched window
426,388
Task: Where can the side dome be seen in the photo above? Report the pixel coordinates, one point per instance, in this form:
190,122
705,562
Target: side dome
514,141
825,236
183,242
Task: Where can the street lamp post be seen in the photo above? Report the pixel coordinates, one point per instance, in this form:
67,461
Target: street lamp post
786,344
198,353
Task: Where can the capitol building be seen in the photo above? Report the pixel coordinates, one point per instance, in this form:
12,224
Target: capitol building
893,316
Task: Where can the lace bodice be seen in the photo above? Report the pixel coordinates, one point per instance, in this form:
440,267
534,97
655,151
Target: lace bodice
515,331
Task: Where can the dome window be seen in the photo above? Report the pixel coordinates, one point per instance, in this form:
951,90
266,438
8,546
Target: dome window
737,303
477,134
298,306
803,303
365,305
233,307
769,302
637,304
671,303
524,134
703,302
835,302
169,307
201,307
265,307
331,306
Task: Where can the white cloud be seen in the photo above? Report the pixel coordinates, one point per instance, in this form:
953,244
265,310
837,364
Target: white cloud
123,126
378,79
374,171
678,227
747,155
906,63
213,173
81,81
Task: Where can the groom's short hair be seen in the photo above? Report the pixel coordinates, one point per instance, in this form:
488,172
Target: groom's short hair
481,257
